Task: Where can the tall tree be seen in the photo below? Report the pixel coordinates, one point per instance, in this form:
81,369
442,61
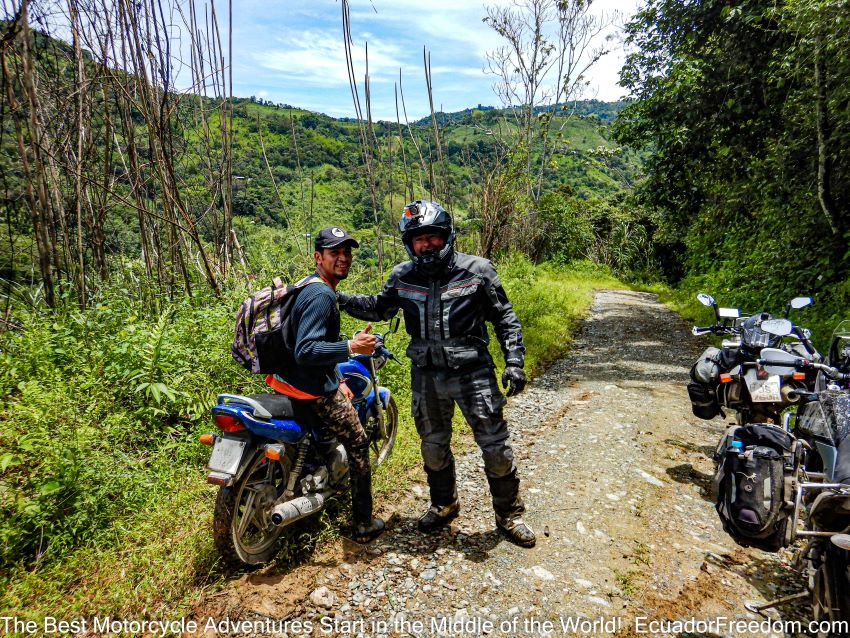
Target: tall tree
740,110
549,46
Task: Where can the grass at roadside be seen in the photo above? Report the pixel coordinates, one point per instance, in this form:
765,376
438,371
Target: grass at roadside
153,556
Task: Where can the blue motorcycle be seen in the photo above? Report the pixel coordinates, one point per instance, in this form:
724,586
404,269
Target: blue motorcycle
274,469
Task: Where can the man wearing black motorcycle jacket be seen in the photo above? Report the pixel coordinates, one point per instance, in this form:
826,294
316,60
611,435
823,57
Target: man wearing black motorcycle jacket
447,297
315,384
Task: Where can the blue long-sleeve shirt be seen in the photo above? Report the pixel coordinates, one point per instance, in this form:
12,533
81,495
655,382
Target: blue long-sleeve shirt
315,318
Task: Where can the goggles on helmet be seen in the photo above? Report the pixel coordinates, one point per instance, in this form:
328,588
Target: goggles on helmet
423,216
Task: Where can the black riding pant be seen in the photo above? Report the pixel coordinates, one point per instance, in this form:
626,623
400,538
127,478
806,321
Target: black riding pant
476,393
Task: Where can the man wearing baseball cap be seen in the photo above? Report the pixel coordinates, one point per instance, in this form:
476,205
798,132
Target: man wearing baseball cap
315,382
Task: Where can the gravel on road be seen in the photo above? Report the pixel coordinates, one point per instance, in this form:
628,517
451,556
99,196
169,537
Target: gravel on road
615,475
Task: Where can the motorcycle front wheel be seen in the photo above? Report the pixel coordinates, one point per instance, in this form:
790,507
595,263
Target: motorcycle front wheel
380,447
242,528
831,593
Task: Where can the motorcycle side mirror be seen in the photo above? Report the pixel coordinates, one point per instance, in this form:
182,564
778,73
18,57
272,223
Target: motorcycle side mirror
800,302
778,327
728,313
776,361
705,299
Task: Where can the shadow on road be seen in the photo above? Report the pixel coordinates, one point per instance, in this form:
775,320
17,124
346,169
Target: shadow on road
686,473
620,351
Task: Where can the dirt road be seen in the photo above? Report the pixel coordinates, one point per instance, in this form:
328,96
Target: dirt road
615,475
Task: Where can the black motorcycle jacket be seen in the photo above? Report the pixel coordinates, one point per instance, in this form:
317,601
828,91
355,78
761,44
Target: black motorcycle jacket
445,315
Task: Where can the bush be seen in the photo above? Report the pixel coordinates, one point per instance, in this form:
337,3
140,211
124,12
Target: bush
607,231
100,469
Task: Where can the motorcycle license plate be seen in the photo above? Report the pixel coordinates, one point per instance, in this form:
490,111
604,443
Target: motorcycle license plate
764,390
226,455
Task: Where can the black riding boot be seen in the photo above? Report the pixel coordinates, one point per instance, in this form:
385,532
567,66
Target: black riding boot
509,510
441,484
444,506
365,527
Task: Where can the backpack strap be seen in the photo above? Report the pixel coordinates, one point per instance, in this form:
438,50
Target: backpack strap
310,279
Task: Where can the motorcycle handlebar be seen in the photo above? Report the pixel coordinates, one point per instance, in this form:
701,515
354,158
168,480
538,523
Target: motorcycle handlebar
715,329
381,351
832,373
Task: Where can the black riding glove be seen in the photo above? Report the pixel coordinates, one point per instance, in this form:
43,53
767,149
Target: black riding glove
514,380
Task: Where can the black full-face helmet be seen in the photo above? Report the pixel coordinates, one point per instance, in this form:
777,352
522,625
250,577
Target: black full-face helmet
753,338
422,217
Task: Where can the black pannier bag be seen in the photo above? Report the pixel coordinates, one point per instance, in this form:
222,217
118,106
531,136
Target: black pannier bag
703,401
705,375
755,485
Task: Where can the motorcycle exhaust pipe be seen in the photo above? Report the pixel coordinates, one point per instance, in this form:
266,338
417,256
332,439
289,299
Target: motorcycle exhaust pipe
291,511
789,394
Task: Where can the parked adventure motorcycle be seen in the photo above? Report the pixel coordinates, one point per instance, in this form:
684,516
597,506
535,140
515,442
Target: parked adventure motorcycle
274,469
730,377
822,500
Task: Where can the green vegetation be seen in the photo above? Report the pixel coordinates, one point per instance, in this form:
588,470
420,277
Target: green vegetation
745,112
103,506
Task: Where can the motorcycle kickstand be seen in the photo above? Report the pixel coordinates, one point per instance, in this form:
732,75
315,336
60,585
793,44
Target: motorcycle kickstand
757,609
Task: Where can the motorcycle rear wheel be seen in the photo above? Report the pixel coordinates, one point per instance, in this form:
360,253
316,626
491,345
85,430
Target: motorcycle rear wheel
242,528
380,448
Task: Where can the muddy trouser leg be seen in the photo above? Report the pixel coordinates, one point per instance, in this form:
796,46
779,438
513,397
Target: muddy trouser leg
432,413
479,398
338,418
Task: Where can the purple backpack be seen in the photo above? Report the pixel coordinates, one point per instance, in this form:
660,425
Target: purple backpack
264,341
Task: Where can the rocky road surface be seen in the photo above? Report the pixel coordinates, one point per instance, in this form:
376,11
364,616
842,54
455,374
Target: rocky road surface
615,475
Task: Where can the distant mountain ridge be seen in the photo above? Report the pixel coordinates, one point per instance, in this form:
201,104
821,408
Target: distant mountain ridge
605,111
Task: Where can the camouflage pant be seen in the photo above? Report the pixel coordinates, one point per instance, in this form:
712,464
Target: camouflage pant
338,418
477,394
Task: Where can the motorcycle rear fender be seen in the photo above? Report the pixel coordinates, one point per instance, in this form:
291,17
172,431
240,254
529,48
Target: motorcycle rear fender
286,430
254,445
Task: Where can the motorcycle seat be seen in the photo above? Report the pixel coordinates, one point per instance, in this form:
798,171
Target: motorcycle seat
278,405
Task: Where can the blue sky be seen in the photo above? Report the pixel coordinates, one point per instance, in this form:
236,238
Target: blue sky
292,52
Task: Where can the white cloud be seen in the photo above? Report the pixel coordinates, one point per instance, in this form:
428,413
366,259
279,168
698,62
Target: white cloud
318,57
294,52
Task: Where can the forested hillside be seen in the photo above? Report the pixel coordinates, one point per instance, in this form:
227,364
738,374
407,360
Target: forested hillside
215,168
136,217
744,108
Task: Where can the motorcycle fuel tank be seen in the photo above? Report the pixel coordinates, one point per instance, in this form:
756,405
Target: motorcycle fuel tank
357,378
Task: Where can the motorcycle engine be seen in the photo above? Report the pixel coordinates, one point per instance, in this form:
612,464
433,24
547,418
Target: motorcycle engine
337,463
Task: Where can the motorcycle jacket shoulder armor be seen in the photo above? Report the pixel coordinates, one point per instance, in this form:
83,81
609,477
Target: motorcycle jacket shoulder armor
446,314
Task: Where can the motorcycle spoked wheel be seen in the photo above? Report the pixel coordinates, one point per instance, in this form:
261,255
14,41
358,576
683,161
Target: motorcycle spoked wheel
381,448
242,528
830,599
